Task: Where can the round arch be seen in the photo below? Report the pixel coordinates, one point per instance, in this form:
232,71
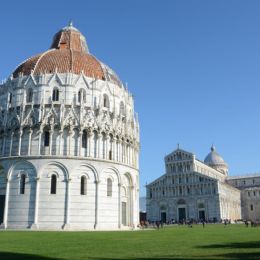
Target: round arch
13,166
89,166
114,170
59,165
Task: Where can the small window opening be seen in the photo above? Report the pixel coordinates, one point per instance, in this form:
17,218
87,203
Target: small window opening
55,95
109,187
53,184
83,185
22,184
46,138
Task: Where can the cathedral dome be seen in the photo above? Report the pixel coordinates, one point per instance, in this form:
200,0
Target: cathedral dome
214,160
68,53
213,157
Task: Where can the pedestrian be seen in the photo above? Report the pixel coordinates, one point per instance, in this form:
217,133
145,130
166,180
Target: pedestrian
246,223
157,224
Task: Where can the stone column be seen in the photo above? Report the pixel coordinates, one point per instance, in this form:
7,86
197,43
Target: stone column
60,140
96,205
117,150
79,143
106,146
39,144
11,144
89,146
130,154
136,210
99,142
133,156
119,205
50,144
70,134
4,224
30,141
137,157
122,151
36,204
67,222
20,140
4,140
132,189
113,149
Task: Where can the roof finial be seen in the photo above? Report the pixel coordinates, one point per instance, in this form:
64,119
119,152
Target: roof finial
70,23
178,146
213,148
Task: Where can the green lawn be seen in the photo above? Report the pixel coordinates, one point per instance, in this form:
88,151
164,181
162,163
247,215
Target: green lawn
180,242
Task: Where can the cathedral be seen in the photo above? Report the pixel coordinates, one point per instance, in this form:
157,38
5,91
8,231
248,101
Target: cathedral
201,191
69,142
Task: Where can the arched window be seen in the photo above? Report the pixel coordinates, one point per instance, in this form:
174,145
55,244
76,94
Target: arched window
10,97
105,101
84,139
109,187
22,184
29,95
83,185
122,108
81,96
55,94
53,184
46,138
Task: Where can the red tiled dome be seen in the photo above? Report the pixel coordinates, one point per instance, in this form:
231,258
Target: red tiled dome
68,53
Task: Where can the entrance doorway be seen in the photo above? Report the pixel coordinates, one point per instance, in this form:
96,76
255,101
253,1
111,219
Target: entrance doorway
163,217
2,208
202,215
182,214
124,213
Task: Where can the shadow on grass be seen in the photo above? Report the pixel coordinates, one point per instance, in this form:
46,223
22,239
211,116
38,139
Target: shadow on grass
253,244
155,258
21,256
237,256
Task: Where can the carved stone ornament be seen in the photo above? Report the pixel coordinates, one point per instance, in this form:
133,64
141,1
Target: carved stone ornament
105,122
89,119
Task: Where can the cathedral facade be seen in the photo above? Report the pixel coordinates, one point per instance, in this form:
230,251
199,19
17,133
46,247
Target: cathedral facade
195,190
69,142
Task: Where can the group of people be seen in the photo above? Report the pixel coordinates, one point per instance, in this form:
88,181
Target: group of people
252,223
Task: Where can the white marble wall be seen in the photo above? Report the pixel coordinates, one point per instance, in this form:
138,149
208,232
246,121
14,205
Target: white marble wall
38,209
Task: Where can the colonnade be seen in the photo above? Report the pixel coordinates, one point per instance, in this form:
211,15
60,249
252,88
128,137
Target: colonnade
99,145
181,185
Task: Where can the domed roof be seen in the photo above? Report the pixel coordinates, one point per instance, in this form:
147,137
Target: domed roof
213,158
68,53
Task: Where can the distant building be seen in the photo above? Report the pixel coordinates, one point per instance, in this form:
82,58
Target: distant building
192,189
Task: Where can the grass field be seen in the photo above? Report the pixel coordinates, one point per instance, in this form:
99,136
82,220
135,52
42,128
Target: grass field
180,242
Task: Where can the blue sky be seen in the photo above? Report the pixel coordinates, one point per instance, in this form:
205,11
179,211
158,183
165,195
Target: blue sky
193,67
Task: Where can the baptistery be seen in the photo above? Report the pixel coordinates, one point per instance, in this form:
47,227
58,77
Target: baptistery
69,142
